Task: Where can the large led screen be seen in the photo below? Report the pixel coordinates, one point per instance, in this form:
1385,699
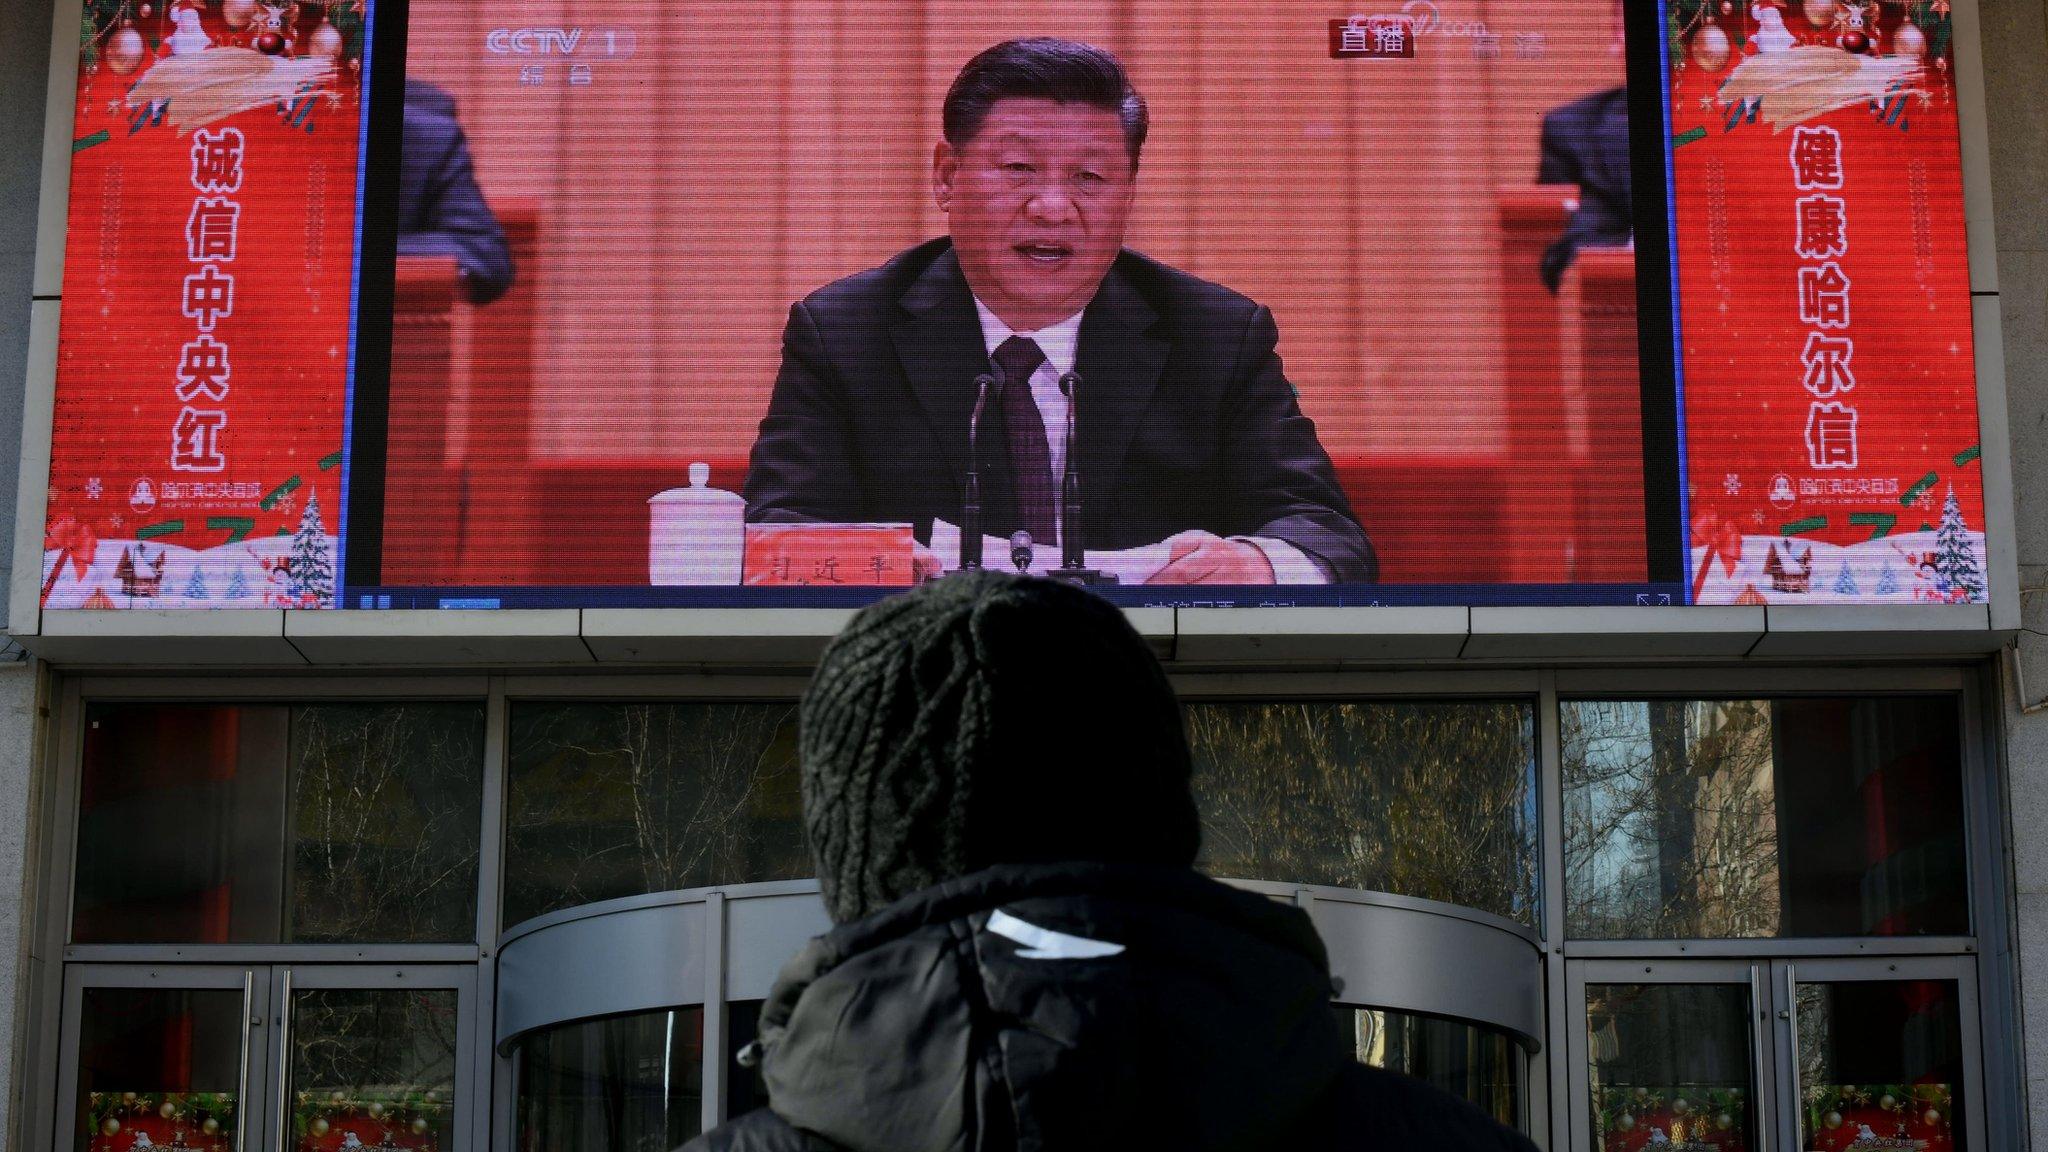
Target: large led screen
504,303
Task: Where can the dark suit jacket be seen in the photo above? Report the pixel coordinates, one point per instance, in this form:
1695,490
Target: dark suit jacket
441,212
1185,420
1585,142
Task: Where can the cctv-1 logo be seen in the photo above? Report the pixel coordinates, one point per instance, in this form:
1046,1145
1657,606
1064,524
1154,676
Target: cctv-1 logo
595,41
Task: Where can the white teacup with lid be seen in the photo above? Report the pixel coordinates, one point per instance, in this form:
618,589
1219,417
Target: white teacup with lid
696,535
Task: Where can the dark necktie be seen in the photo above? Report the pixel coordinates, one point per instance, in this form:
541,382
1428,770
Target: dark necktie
1030,460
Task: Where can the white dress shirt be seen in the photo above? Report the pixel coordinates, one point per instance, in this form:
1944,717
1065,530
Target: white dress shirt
1060,342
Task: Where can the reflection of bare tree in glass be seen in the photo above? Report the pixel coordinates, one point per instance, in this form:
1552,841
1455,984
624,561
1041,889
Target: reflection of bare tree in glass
386,804
391,1048
1433,800
1670,819
614,800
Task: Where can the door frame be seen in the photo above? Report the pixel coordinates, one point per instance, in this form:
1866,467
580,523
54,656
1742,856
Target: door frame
1751,975
1787,973
287,978
253,981
261,1112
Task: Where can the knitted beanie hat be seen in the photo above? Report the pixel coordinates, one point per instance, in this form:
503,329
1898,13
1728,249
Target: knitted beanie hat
988,719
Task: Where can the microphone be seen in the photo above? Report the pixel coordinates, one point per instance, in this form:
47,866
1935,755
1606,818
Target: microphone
1071,553
970,500
1020,550
1073,542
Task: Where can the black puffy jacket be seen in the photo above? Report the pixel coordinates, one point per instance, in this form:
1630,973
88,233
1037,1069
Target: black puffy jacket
1073,1007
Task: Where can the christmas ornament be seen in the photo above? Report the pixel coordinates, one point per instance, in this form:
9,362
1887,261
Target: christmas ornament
1727,8
319,1126
127,1097
1887,1102
1853,41
1642,1093
1909,40
1681,1106
1932,1117
124,50
419,1126
167,1110
1626,1121
209,1126
376,1108
1724,1121
146,11
1832,1119
1711,47
110,1126
269,43
238,13
326,41
1820,13
337,1098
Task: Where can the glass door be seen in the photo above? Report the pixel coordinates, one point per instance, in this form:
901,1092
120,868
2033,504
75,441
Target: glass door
1669,1056
371,1057
161,1057
1880,1054
267,1058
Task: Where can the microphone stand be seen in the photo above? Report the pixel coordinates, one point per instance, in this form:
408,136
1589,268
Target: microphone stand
970,500
1073,548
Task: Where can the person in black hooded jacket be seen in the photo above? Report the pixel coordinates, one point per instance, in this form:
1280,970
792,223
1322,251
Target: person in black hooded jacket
996,791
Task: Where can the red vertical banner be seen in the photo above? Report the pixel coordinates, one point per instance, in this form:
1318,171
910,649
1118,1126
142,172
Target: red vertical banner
196,454
1830,404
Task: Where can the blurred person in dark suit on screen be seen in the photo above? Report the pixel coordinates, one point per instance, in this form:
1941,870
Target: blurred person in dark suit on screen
1585,143
441,211
1186,429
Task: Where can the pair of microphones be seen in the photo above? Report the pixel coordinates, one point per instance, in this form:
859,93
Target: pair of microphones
1073,552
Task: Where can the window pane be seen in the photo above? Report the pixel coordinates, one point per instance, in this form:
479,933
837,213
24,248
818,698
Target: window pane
375,1064
744,1088
1880,1060
386,818
160,1063
611,800
1669,1064
1465,1060
1426,799
180,825
191,829
628,1082
1745,818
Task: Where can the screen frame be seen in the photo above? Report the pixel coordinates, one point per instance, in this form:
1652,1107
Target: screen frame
1843,629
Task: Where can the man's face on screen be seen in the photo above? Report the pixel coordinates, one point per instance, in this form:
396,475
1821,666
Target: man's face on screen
1037,203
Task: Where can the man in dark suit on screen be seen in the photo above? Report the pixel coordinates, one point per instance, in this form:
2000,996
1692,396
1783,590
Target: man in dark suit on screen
441,211
1585,143
1186,429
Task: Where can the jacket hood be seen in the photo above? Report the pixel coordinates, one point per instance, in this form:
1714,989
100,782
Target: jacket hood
1070,1006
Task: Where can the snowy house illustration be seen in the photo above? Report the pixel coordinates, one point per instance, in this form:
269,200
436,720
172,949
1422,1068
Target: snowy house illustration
1789,573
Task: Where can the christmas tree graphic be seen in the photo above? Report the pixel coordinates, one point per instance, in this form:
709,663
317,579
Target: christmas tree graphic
1955,560
195,588
238,586
311,570
1888,581
1845,582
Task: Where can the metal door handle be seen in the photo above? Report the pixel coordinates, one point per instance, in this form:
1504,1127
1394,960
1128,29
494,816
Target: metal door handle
284,1069
249,1014
1758,1015
1791,1012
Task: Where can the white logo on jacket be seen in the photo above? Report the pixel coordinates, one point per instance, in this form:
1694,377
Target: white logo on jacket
1046,944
